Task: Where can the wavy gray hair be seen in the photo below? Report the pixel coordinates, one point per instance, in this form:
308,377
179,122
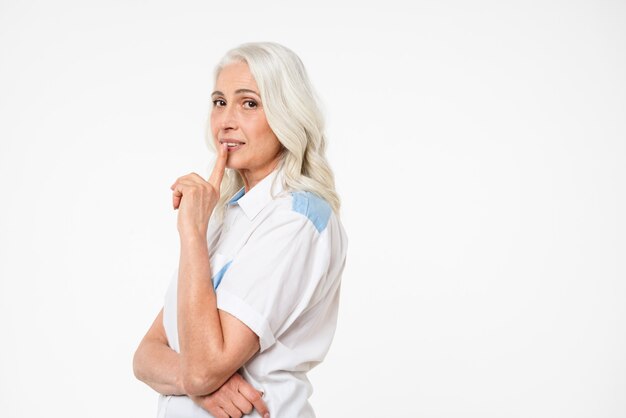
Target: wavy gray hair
293,114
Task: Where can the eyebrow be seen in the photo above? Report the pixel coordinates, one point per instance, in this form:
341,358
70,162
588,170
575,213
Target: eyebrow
239,91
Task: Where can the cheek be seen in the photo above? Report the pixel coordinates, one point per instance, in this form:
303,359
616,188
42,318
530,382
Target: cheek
276,145
270,143
270,140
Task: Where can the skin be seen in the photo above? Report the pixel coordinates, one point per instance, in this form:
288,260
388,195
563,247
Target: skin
238,115
213,343
157,365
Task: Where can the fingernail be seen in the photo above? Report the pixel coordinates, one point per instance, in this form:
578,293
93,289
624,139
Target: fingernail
267,415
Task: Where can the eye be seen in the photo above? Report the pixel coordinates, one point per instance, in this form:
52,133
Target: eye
219,103
250,104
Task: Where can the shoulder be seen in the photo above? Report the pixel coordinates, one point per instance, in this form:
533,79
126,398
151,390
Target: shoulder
302,207
311,207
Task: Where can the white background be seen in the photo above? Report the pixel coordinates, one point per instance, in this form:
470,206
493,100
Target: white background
479,148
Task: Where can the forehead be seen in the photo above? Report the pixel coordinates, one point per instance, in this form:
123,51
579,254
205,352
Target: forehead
235,76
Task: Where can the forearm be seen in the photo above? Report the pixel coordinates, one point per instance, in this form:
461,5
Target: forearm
199,327
158,366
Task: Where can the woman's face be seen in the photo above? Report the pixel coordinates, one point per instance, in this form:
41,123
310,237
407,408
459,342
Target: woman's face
238,119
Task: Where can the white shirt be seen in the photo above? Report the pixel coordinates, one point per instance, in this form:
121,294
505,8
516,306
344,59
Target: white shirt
276,265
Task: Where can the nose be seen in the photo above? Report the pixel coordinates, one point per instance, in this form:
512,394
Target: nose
228,119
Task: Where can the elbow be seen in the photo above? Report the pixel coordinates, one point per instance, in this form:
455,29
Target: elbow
194,387
198,383
137,369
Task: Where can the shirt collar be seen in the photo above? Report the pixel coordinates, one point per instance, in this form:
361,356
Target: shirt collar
259,196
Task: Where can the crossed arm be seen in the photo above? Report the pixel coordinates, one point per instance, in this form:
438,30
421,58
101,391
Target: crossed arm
213,345
157,365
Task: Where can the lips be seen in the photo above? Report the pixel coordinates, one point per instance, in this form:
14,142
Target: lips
232,144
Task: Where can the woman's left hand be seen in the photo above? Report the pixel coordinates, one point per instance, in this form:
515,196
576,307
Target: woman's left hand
233,399
200,197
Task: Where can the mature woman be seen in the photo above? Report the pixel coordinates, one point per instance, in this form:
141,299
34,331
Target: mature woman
253,304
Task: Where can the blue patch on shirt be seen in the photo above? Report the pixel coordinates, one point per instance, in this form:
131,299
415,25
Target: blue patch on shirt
220,274
313,207
237,196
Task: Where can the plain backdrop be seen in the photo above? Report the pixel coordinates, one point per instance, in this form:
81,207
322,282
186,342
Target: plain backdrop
479,149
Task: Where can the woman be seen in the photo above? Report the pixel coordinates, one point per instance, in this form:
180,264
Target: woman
262,251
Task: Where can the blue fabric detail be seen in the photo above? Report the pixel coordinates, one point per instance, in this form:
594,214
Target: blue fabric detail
237,196
313,207
220,274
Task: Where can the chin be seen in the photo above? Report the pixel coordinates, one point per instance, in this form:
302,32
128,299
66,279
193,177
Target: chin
233,165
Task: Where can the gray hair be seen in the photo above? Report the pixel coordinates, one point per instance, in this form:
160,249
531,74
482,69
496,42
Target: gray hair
292,112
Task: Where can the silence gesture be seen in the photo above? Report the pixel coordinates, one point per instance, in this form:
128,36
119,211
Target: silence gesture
195,198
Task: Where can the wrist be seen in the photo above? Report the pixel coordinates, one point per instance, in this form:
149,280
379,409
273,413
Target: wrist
193,238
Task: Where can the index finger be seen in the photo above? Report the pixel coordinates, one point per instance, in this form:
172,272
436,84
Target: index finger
254,397
220,165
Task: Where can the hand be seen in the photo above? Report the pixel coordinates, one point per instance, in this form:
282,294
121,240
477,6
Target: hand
200,199
234,399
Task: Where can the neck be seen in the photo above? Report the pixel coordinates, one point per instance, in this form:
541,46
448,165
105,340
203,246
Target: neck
252,177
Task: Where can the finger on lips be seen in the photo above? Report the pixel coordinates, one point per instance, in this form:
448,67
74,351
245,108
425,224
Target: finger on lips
193,179
218,170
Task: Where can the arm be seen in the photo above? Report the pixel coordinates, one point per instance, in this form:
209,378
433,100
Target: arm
213,344
155,363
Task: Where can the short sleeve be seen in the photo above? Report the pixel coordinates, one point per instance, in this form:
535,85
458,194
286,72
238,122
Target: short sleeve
272,279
